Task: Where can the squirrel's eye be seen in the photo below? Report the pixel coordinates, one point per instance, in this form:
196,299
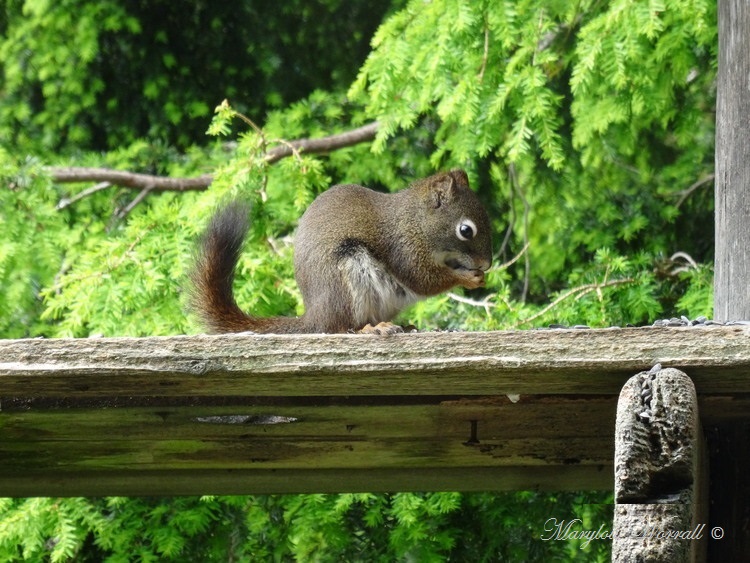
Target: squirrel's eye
466,229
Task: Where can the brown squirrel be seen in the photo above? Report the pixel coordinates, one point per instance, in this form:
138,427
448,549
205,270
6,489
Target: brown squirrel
360,256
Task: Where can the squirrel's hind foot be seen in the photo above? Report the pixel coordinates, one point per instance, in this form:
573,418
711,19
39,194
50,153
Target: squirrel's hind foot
381,328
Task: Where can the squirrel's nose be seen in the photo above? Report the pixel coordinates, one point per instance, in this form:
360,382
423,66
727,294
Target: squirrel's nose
484,263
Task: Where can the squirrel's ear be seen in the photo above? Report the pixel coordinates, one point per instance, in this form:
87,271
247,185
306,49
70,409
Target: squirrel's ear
442,190
445,187
460,177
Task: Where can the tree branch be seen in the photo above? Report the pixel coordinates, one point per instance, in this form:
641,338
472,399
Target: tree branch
126,179
684,194
324,144
152,183
65,202
578,292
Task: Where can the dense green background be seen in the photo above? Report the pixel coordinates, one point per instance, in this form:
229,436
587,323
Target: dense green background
587,129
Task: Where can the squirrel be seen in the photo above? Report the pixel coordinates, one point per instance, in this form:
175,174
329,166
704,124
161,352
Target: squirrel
360,256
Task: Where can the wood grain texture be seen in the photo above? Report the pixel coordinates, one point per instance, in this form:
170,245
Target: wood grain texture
732,184
729,443
306,413
541,361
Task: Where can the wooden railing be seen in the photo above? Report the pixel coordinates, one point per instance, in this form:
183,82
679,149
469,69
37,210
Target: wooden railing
287,414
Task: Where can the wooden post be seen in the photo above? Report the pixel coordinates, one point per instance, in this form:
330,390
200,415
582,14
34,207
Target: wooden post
732,260
729,444
659,470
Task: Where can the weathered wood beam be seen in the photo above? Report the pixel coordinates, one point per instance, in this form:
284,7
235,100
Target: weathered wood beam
443,445
449,363
307,413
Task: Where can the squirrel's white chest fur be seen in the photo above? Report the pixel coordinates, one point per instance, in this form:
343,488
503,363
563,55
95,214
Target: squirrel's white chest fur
376,295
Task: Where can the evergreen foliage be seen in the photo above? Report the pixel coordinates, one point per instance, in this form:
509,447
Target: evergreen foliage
597,115
72,69
587,129
346,527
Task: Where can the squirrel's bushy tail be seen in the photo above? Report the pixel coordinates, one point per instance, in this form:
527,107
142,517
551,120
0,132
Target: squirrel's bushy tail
212,297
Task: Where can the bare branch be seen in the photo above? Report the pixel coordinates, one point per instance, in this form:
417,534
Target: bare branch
689,263
577,292
65,202
324,144
485,303
485,55
684,194
126,179
686,257
153,183
122,213
294,151
515,258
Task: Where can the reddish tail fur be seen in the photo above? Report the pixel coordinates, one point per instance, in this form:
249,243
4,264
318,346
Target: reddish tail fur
213,274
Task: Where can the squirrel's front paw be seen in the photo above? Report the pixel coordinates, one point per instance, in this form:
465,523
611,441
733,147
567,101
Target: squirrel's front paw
381,328
470,279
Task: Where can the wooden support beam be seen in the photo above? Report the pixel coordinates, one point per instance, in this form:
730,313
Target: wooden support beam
322,413
729,442
660,471
732,185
